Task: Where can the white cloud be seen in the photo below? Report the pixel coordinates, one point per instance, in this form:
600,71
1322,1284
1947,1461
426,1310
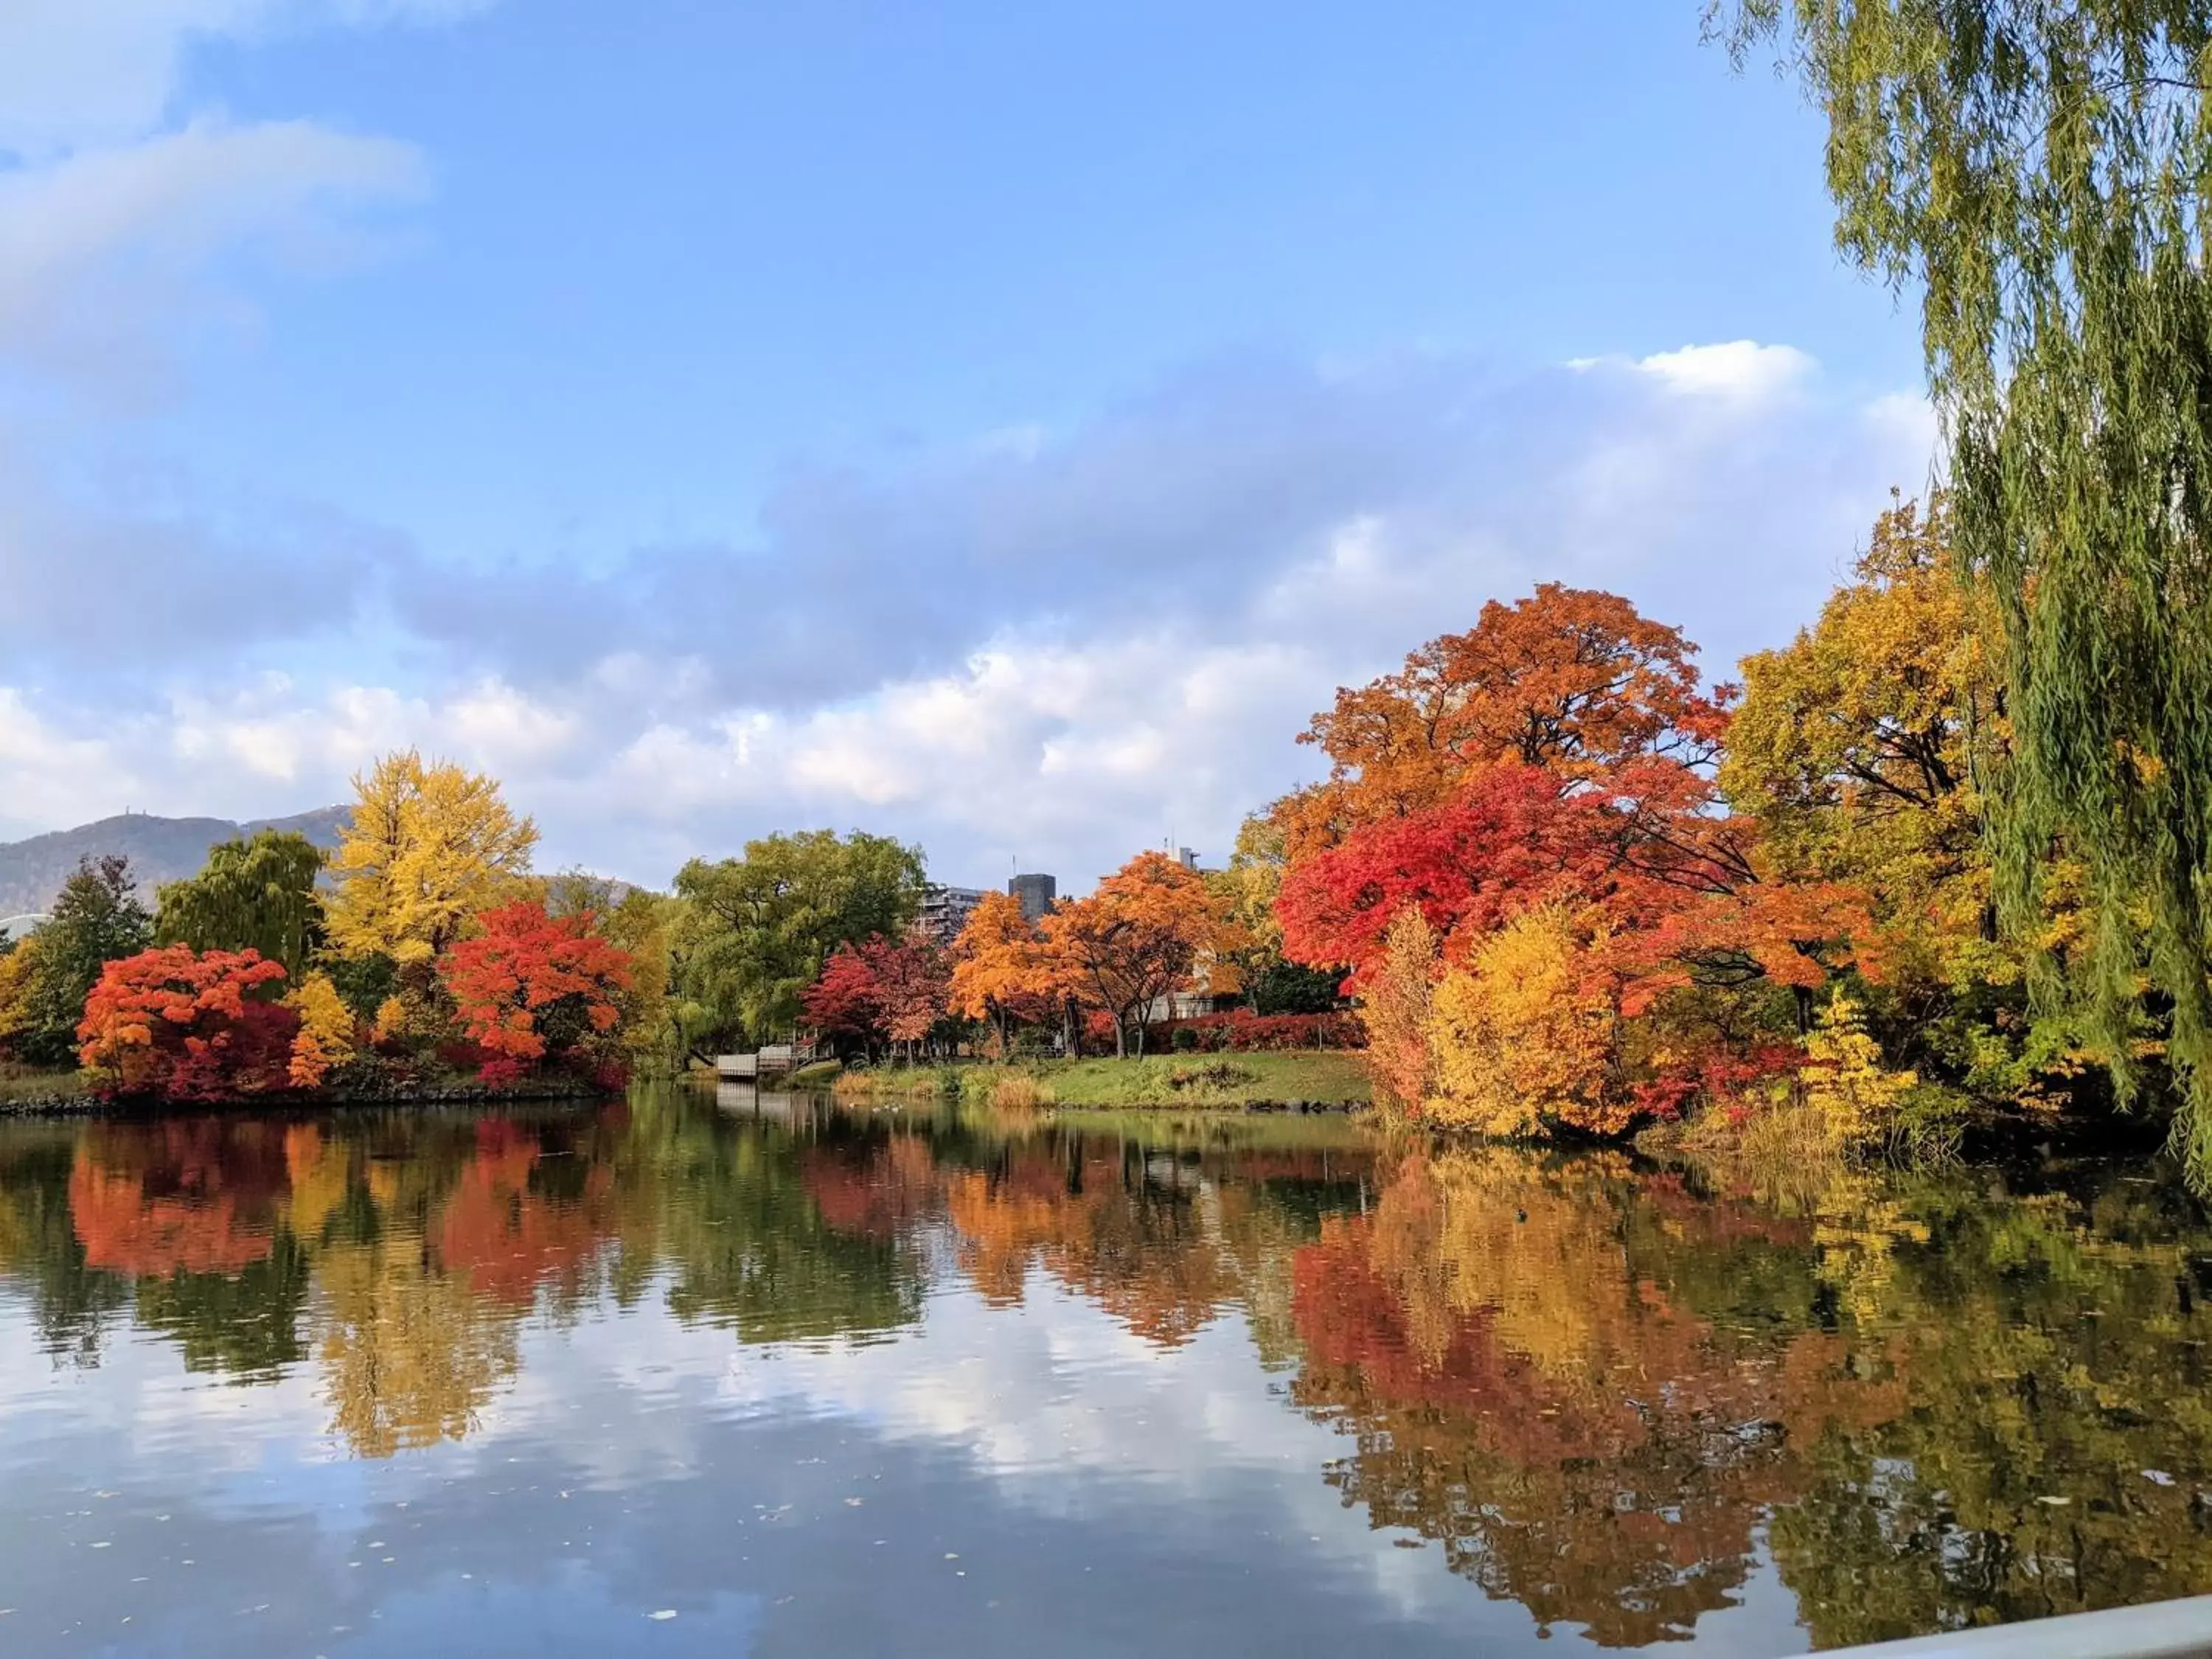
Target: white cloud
1908,420
1737,369
1069,730
79,72
53,778
104,253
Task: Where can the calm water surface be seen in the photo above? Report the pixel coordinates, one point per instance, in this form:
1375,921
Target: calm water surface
687,1376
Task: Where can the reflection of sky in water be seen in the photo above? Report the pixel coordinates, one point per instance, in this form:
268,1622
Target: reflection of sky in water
997,1479
653,1378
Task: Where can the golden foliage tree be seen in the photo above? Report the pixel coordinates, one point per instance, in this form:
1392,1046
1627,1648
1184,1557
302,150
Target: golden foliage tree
1856,748
326,1039
1523,1038
430,847
19,971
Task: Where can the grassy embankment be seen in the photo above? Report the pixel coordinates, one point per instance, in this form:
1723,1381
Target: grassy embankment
1231,1082
25,1089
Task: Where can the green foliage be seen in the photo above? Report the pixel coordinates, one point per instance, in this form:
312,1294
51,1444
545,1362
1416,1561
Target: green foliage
756,929
2040,170
364,983
97,920
251,895
1290,987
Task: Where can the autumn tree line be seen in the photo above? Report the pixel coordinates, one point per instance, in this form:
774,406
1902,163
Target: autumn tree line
1571,889
421,953
1560,884
1578,891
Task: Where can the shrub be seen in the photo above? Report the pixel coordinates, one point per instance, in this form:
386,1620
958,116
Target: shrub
326,1038
1220,1075
1018,1091
1520,1043
186,1026
1242,1032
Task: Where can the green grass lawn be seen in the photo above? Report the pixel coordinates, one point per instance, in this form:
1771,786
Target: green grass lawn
22,1085
1186,1082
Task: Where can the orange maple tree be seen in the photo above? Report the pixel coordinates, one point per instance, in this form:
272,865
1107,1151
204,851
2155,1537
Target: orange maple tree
1137,941
998,970
187,1025
1569,680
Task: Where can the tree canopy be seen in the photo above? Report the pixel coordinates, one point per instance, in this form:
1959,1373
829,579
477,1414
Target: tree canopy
430,845
255,894
2039,170
98,918
758,928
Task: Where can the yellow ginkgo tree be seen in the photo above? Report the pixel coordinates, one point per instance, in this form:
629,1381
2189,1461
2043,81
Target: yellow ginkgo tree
430,847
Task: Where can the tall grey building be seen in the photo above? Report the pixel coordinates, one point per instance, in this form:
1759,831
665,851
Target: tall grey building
1036,893
944,909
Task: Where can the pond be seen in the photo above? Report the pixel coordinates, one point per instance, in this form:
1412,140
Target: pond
690,1375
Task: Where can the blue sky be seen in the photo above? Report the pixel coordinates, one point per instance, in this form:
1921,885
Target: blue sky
1000,426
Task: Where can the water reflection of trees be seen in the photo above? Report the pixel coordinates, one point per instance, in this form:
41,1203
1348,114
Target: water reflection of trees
1602,1390
1597,1391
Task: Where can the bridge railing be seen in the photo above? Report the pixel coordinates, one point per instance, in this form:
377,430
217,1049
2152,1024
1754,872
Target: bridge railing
2158,1629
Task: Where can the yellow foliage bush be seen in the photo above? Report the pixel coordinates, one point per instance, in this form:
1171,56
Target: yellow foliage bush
324,1040
1520,1043
1396,1008
1843,1077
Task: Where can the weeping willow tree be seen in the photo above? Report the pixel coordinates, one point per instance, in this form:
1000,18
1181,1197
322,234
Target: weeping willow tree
257,894
2039,170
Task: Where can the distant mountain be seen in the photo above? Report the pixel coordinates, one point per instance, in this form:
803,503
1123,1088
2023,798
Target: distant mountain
160,849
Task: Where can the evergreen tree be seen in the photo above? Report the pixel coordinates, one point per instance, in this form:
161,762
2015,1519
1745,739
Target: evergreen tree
98,918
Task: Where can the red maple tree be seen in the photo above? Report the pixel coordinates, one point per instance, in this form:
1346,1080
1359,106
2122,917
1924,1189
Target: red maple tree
183,1025
847,999
532,990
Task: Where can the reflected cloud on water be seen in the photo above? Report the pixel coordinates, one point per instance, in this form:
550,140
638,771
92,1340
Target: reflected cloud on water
803,1377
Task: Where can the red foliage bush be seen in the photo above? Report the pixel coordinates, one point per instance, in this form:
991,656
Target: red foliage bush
533,989
183,1026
